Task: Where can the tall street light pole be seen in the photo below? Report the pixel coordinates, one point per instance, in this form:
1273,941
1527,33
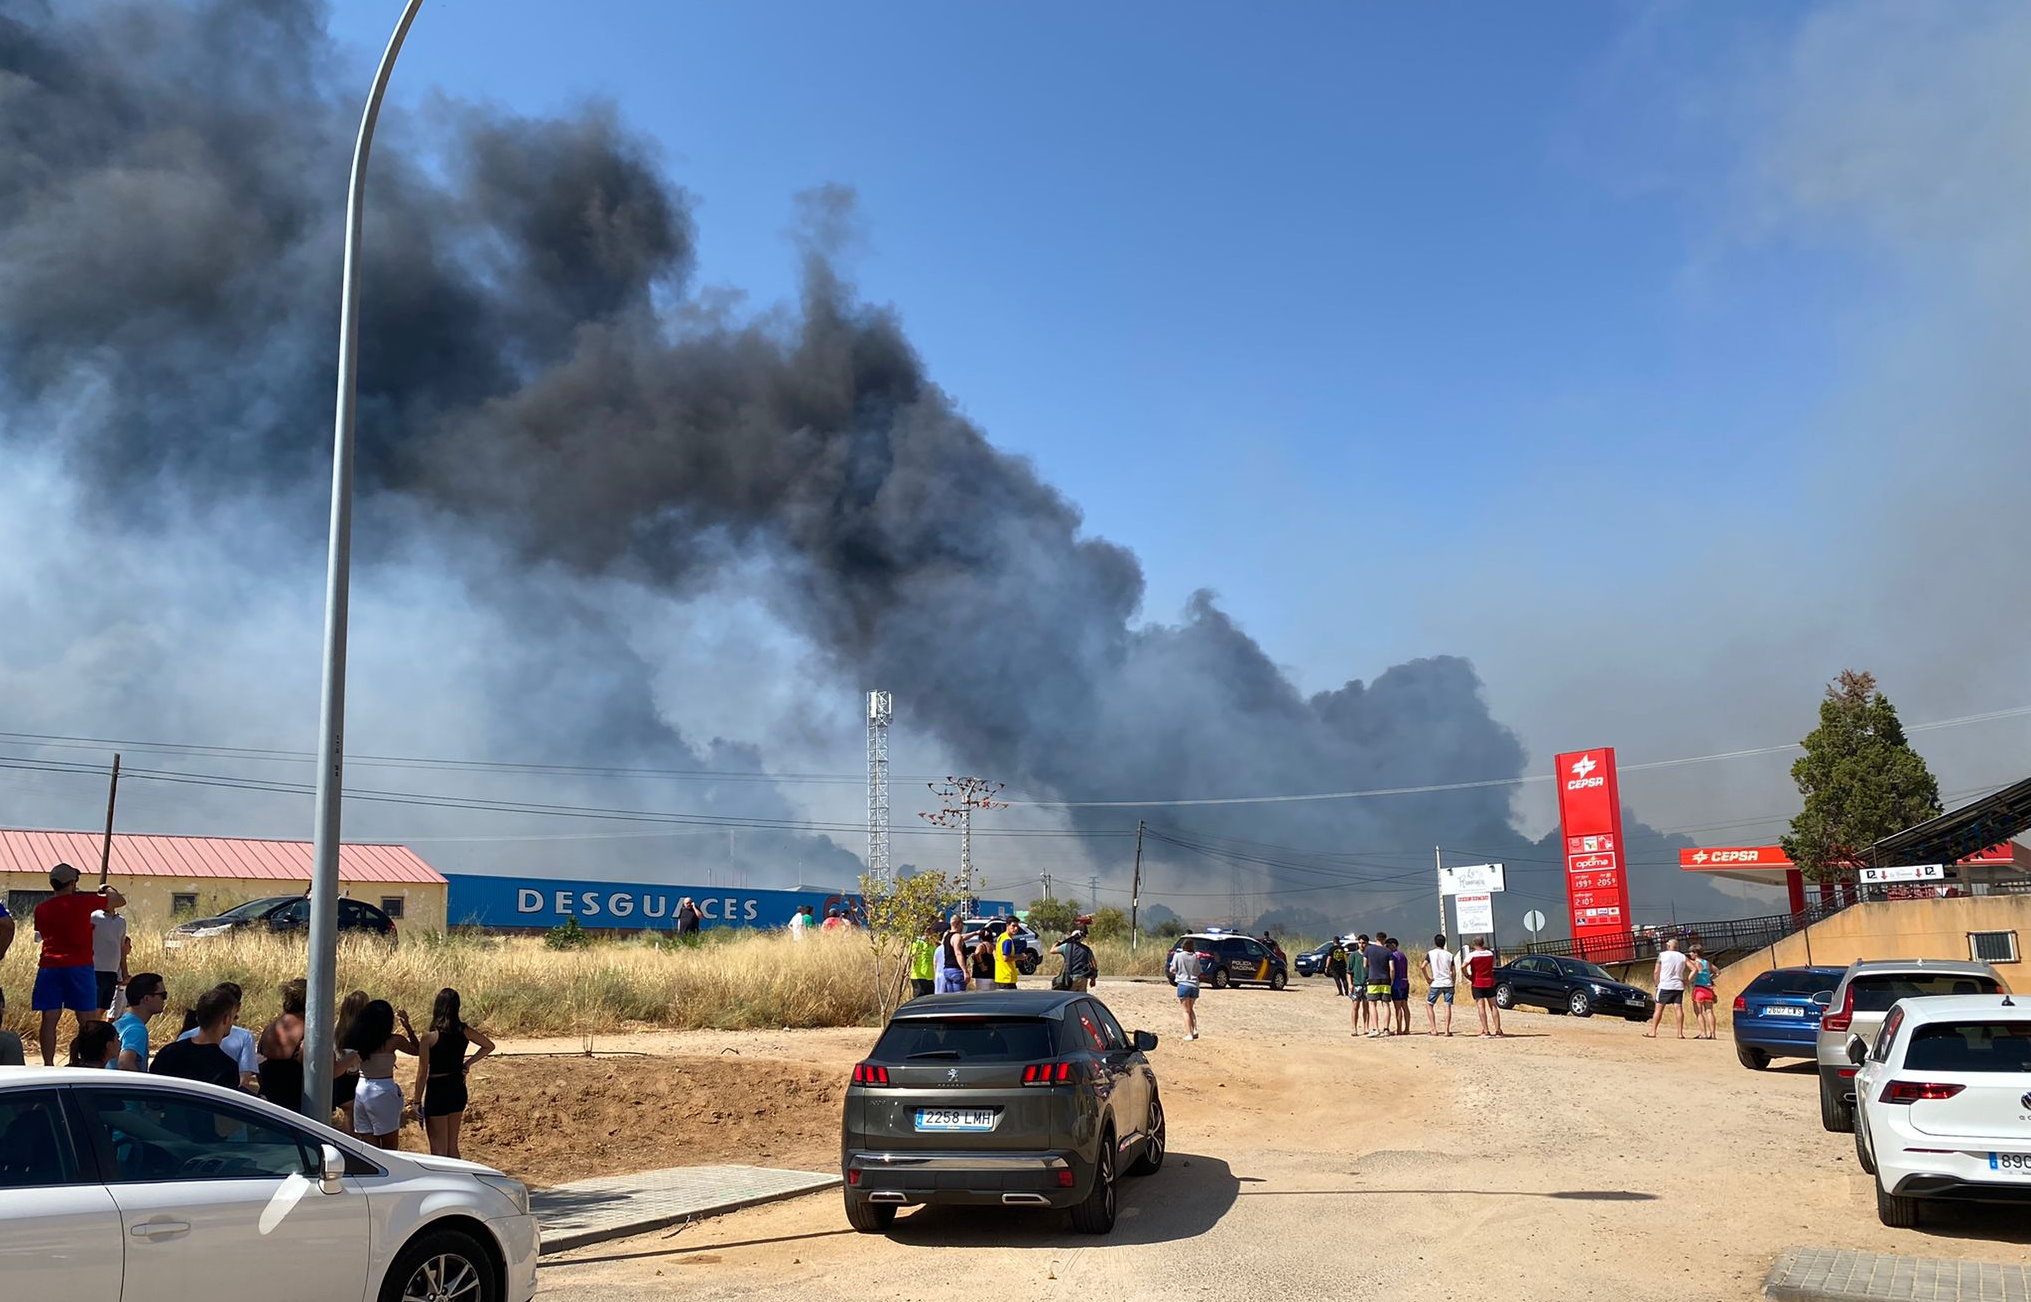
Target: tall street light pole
324,879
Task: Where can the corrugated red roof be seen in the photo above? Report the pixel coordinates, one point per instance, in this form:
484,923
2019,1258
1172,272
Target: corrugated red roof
207,856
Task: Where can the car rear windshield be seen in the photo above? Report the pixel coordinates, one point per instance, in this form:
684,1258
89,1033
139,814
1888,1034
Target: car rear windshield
1875,993
1971,1046
1793,982
965,1039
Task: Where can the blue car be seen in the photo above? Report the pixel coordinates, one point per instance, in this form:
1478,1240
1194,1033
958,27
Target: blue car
1775,1017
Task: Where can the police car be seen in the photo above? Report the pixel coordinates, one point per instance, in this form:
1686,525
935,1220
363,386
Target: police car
1228,958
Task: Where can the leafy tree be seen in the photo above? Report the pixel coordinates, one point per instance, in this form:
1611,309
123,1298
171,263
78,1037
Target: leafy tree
1109,923
897,913
1170,928
1052,917
1860,779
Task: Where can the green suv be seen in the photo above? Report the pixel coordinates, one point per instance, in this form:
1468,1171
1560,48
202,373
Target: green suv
1006,1098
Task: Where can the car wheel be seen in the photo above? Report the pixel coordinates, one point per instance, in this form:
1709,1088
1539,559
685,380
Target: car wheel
1862,1157
443,1264
1753,1059
1096,1214
1579,1005
1895,1212
1219,978
1027,965
1504,996
1835,1113
1152,1159
868,1217
1278,981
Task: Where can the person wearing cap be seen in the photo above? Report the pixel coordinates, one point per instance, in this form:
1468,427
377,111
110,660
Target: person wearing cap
1080,965
65,977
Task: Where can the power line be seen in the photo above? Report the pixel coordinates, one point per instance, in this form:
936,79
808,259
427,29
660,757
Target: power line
1434,787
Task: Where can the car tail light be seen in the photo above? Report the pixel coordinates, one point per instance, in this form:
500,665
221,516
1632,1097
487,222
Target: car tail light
1844,1017
1741,1004
853,1175
1050,1073
1911,1091
869,1074
1065,1179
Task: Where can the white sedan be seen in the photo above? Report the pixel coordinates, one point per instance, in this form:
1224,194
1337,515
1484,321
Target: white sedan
119,1187
1943,1104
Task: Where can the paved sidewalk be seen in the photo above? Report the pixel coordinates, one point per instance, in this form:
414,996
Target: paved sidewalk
613,1207
1836,1275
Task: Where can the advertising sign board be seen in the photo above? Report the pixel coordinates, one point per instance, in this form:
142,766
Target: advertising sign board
1471,879
477,900
1474,914
1590,819
1914,872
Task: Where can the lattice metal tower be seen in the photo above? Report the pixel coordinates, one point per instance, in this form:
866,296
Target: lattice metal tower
880,710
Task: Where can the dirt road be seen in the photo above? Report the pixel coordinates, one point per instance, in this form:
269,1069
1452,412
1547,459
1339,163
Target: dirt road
1574,1160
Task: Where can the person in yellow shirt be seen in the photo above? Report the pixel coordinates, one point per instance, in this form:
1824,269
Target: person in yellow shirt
924,962
1005,951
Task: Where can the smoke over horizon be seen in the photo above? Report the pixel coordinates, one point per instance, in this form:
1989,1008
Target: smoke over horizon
593,459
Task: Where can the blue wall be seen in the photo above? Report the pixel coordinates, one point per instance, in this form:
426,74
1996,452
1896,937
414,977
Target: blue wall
545,902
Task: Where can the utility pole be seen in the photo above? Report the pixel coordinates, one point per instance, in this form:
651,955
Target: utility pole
321,970
959,797
1093,892
1135,887
1439,862
106,846
1046,879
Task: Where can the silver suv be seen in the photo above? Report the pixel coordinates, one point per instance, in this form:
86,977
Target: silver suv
1858,1005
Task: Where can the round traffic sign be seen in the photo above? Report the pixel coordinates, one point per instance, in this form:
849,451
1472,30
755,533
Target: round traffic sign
1533,921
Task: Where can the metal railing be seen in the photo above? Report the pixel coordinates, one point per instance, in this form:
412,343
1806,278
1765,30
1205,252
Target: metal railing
1730,936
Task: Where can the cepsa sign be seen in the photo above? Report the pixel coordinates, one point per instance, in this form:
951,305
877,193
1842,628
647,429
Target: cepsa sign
1590,820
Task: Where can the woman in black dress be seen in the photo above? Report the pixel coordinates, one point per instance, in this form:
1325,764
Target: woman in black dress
440,1072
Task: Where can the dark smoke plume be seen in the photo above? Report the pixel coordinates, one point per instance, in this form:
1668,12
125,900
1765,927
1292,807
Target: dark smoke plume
536,369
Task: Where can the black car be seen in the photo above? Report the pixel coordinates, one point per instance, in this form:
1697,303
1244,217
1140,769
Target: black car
282,915
1568,985
1012,1098
1312,962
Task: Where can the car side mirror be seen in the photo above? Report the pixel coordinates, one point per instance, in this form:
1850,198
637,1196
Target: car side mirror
331,1170
1858,1052
1824,998
1145,1041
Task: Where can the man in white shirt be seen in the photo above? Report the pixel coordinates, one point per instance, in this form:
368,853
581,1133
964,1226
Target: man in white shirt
1670,988
109,958
236,1040
800,921
1439,970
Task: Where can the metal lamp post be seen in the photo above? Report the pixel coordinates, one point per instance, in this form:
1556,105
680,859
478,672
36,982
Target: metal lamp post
324,880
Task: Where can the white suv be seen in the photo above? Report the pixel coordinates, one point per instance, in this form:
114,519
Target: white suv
1943,1104
120,1187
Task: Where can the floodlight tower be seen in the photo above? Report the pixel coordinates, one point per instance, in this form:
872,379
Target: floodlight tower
880,710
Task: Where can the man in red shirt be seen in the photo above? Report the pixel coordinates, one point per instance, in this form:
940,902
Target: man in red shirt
1480,966
66,977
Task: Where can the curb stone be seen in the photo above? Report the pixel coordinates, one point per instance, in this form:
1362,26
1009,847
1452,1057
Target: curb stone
614,1207
1839,1275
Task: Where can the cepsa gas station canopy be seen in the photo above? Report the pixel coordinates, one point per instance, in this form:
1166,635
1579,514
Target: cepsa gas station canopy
1769,866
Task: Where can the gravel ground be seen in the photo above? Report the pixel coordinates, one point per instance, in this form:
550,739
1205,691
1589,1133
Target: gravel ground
1573,1160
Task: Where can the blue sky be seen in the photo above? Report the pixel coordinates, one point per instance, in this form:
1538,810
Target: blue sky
1407,329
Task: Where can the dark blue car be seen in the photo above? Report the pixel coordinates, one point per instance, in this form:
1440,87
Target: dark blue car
1775,1017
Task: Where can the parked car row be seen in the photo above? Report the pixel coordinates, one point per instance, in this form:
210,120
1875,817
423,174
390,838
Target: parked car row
1926,1061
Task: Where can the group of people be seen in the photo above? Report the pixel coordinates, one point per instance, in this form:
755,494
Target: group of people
83,970
946,959
1675,973
806,919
